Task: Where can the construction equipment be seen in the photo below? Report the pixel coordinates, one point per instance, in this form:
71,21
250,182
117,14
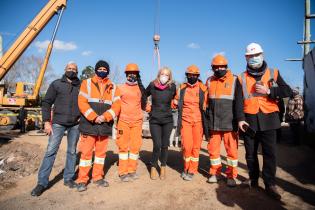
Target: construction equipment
22,106
156,36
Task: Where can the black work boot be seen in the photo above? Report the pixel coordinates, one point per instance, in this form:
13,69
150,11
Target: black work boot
70,183
101,183
38,190
273,192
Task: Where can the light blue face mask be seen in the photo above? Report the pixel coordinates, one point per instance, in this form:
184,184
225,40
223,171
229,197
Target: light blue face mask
255,62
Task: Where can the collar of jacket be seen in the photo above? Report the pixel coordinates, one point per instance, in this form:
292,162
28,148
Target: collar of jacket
75,82
97,79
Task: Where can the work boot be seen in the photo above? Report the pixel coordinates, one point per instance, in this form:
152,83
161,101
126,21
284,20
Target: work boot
183,175
101,183
70,183
133,176
124,178
154,174
38,190
163,172
231,182
81,187
189,177
273,192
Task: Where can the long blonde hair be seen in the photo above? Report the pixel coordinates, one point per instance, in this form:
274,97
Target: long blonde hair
165,68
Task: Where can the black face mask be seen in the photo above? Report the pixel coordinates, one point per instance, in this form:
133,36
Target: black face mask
132,78
102,74
219,73
192,80
71,75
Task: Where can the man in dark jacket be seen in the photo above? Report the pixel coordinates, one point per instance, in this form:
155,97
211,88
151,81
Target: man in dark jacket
262,88
62,95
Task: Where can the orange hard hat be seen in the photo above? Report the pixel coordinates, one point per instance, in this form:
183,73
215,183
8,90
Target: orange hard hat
219,60
193,69
132,67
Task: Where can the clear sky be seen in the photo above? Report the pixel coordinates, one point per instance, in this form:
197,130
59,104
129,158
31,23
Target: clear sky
192,31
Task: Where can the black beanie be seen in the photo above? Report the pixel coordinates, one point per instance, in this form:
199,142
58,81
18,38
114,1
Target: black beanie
101,63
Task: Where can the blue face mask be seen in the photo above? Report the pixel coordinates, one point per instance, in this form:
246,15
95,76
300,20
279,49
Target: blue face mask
255,62
102,74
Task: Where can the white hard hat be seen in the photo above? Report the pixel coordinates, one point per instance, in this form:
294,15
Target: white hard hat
253,48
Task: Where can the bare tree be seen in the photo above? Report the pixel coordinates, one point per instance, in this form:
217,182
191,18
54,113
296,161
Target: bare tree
26,69
116,75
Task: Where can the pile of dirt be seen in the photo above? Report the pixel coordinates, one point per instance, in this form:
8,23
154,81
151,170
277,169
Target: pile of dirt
17,160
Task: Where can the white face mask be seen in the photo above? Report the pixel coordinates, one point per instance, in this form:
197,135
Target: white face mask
255,62
163,79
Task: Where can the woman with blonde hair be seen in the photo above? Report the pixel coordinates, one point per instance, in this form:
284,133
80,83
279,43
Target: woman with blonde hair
162,91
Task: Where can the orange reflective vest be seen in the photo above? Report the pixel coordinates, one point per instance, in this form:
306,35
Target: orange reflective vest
98,98
254,102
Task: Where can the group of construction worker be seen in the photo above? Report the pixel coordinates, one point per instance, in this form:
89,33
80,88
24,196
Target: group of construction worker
220,110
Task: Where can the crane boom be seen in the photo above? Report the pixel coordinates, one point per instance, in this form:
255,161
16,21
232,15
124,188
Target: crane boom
29,34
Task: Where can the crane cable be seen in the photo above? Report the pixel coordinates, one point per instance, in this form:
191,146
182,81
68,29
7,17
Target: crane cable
156,36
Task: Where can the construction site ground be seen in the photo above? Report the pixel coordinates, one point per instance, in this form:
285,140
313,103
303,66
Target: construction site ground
21,155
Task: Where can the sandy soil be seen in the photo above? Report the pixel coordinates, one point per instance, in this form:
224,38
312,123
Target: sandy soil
21,156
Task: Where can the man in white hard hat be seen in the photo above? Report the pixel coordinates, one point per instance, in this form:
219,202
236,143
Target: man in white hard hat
262,87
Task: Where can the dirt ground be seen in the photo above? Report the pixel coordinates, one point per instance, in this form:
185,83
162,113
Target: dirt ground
20,157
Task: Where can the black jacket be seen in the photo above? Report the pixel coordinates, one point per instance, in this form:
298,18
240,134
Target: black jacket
222,113
262,121
161,111
63,96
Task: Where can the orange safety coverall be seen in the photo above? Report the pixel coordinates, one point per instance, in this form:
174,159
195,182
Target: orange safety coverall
97,93
129,135
221,92
192,126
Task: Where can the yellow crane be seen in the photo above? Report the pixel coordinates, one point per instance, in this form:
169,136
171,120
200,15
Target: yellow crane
23,106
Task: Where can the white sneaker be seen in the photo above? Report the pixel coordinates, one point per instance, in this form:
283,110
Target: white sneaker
213,179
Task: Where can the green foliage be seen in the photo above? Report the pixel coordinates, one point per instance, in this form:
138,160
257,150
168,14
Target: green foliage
87,72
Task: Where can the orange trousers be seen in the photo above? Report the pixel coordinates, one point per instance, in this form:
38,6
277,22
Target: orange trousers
86,147
230,140
129,141
191,134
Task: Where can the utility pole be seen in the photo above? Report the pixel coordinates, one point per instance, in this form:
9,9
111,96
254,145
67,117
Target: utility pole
307,32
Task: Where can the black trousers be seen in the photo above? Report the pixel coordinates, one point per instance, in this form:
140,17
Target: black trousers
161,137
268,140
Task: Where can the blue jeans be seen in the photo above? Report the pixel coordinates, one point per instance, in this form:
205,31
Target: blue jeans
52,149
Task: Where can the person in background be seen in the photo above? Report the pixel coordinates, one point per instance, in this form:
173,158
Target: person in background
62,94
295,115
129,135
162,91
